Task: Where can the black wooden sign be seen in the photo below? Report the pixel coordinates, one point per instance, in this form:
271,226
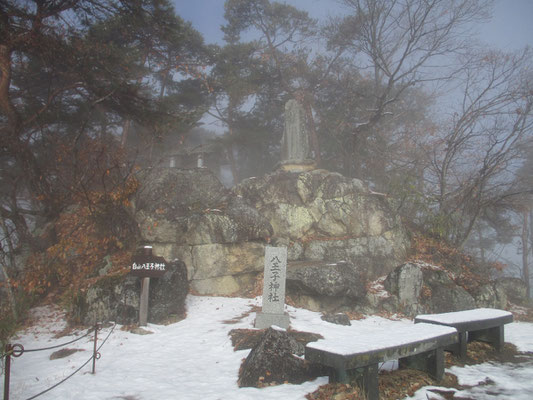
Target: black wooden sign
148,266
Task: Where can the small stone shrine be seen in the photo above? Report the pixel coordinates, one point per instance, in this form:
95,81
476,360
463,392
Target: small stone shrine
273,312
295,147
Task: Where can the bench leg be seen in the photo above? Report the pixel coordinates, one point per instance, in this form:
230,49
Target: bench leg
494,336
431,362
366,378
459,349
368,382
339,376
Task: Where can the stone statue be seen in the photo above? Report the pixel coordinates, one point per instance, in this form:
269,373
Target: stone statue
295,148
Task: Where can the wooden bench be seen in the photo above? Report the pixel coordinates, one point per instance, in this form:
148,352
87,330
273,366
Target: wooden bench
484,324
419,346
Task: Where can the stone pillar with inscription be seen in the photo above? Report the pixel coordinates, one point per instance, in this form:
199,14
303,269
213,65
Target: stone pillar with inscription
273,311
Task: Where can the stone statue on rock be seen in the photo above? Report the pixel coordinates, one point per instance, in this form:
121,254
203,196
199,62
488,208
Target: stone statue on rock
295,147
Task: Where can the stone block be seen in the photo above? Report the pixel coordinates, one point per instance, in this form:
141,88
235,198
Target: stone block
266,320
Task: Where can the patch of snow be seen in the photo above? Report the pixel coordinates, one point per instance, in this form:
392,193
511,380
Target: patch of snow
488,381
425,265
521,335
351,341
194,359
377,288
518,310
278,328
491,380
477,314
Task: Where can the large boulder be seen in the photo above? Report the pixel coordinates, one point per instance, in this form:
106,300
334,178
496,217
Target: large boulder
220,269
406,282
168,294
425,288
319,285
514,288
491,295
271,361
118,298
189,215
324,216
170,193
337,318
441,294
191,207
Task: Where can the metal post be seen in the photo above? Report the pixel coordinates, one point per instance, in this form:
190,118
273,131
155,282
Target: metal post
7,368
143,308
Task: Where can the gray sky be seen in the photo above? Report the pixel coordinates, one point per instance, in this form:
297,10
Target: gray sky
511,27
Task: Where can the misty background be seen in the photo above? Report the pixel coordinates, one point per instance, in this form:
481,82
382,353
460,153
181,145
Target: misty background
428,102
508,28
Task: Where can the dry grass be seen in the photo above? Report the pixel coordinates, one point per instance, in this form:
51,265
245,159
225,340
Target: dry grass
243,339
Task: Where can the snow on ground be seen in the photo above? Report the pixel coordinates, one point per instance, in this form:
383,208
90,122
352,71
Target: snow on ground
506,381
194,359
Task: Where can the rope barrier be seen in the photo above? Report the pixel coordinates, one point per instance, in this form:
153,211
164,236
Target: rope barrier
60,382
95,355
60,345
107,337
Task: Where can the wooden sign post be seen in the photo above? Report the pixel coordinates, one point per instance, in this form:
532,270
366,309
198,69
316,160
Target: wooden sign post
143,307
146,266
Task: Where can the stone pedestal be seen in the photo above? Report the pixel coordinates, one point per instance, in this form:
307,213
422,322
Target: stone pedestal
266,320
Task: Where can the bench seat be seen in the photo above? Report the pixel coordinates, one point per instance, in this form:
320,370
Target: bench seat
486,324
419,346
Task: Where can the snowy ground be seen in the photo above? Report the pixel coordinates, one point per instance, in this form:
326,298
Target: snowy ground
510,381
193,359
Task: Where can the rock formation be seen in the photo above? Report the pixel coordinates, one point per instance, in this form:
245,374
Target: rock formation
221,234
419,288
319,215
189,215
324,216
117,299
425,288
342,240
271,362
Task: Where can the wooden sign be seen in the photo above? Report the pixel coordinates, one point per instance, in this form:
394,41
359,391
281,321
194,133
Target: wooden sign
147,265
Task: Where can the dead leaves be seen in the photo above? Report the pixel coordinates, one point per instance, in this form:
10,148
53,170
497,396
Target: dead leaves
84,243
461,267
336,391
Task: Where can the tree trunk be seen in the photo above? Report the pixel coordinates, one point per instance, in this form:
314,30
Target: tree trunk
481,248
313,136
11,257
525,251
125,131
232,163
229,147
6,105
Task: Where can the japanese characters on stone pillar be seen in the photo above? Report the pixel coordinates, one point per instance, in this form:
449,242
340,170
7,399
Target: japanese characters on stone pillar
274,290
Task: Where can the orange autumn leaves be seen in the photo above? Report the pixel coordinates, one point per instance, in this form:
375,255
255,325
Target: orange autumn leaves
85,241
